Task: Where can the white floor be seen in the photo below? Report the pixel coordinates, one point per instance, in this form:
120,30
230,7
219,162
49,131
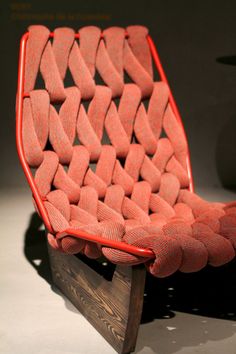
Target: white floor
36,319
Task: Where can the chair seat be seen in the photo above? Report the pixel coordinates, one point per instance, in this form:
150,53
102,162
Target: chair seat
112,159
185,237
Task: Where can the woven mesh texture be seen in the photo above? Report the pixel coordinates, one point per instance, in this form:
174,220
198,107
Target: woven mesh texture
110,158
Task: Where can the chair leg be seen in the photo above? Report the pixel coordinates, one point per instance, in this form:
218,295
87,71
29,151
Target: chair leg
110,297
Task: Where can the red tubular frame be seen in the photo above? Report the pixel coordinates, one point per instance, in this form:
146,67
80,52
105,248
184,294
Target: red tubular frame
147,253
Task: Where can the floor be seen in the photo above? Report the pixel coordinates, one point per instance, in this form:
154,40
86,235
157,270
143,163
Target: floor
194,314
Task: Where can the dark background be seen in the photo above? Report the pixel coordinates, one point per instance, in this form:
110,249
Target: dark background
197,44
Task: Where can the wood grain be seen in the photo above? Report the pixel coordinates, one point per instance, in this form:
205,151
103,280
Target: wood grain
111,298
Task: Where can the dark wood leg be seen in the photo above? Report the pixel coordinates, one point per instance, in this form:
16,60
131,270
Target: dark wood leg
111,298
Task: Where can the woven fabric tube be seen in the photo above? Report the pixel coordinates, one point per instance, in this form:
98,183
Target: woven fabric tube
109,155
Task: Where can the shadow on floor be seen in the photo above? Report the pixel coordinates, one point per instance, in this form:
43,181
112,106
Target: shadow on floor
35,248
210,292
206,311
36,253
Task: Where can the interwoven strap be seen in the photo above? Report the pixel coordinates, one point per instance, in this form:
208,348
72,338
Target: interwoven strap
111,159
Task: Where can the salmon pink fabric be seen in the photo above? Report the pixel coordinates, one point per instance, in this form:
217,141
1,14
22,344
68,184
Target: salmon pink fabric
110,158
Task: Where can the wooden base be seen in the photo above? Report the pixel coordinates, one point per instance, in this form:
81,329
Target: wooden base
110,297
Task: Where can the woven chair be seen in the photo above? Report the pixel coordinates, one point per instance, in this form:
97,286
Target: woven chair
104,151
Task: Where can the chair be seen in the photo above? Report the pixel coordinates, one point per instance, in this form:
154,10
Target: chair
103,148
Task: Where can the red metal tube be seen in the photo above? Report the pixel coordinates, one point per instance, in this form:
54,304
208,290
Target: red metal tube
19,142
173,105
38,200
122,246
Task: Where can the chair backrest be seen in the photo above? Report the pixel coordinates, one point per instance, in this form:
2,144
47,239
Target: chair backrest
107,149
